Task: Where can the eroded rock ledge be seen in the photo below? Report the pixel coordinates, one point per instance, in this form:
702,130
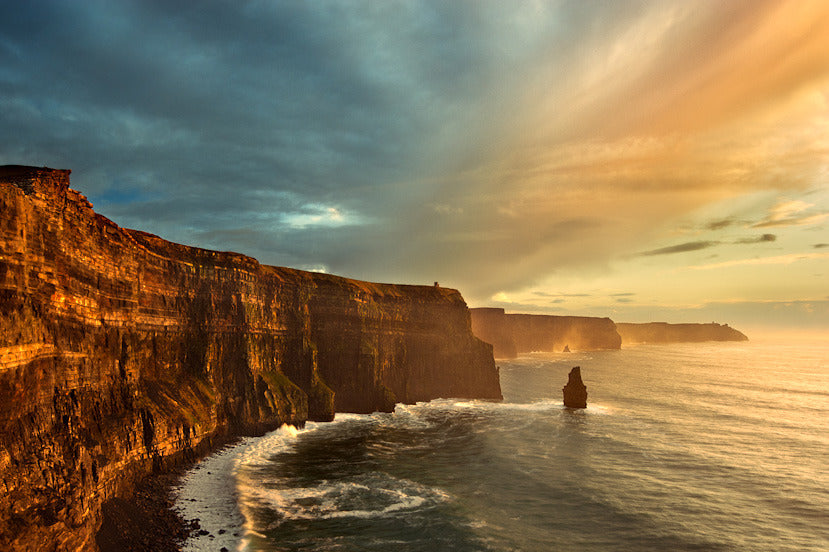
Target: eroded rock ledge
120,351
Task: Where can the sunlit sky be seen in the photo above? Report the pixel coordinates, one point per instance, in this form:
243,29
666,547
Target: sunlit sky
655,160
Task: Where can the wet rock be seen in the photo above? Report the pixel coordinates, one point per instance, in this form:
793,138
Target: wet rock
575,392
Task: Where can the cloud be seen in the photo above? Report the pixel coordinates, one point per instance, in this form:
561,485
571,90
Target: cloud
759,261
681,248
791,213
720,224
820,245
320,215
745,316
486,145
547,294
759,239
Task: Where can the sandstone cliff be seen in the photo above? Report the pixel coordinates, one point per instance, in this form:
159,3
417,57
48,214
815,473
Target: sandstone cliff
661,332
512,334
120,352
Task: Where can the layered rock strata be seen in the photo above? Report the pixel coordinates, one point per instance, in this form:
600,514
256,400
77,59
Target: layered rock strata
121,352
513,334
575,392
661,332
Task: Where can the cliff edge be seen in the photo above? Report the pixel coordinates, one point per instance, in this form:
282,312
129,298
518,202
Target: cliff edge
121,352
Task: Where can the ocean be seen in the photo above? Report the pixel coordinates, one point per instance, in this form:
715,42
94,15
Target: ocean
712,446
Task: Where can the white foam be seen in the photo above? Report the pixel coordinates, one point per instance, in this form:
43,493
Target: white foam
599,409
373,495
207,493
264,448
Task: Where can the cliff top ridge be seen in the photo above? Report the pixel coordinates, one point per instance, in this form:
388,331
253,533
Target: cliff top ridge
53,184
28,178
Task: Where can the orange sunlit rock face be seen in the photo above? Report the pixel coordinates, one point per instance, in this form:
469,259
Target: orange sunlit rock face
120,352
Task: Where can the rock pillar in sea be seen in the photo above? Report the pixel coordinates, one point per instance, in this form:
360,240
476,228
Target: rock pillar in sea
575,392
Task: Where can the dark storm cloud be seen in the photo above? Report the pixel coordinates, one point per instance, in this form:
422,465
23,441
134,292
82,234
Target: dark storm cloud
172,115
681,248
218,124
488,145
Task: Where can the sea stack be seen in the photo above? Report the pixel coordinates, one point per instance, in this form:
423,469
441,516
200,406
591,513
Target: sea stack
575,392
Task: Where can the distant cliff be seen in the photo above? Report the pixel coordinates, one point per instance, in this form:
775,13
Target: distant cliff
661,332
512,334
120,352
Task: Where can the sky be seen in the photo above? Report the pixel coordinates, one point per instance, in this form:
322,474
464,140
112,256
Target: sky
655,160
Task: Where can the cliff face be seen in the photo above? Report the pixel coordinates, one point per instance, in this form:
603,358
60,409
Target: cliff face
661,332
120,352
511,334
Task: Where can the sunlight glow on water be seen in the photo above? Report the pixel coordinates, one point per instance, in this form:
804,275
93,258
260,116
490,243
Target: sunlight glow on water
683,447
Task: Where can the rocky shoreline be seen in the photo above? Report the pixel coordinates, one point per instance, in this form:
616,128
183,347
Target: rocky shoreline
145,521
149,518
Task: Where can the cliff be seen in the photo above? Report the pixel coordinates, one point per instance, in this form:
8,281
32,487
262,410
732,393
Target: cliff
512,334
661,332
121,353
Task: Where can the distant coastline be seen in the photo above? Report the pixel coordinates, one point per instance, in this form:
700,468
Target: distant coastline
662,332
512,334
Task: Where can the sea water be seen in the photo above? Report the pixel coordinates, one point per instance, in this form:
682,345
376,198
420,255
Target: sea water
714,446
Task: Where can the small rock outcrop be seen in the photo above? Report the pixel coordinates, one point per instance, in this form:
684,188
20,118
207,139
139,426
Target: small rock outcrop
566,349
575,392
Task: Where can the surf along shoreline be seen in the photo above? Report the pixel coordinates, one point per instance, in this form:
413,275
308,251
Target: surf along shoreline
150,518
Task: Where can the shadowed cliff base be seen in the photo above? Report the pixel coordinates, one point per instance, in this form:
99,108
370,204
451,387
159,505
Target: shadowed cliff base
122,353
146,520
